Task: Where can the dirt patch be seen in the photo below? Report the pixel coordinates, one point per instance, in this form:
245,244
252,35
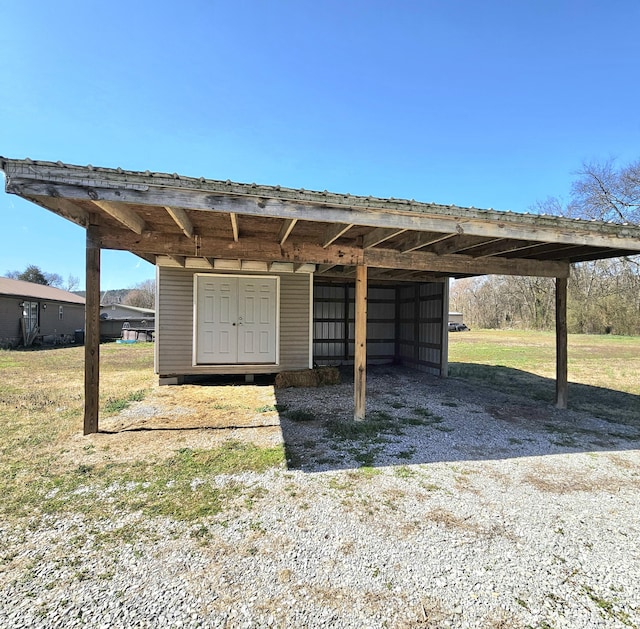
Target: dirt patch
170,418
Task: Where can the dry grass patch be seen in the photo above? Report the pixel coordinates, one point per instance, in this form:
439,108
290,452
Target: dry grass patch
547,480
624,463
164,447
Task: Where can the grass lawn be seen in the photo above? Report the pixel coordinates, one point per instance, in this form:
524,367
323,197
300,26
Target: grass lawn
46,466
604,371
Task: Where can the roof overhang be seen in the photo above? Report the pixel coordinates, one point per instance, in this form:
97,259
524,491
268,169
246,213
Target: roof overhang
208,224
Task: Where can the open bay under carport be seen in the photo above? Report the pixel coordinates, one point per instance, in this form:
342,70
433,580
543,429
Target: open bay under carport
262,234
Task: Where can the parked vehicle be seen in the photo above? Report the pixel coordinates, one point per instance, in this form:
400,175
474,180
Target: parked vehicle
458,327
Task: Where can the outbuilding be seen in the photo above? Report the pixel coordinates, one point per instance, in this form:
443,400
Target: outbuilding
260,279
126,322
35,313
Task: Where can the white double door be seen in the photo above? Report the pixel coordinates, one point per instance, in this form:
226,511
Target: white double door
236,320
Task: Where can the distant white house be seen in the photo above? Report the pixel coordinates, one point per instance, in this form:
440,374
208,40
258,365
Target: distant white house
456,317
116,317
120,311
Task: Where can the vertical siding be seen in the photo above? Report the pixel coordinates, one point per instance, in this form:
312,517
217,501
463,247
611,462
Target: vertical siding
420,342
334,324
174,325
295,316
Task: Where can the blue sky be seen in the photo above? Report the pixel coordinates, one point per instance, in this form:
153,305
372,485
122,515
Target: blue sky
485,104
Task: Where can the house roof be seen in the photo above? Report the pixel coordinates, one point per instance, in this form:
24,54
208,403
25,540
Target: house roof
146,311
18,288
202,223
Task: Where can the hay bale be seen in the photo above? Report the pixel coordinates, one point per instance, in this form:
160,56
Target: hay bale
318,377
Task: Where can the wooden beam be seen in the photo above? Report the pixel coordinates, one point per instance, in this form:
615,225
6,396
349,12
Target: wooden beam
123,215
323,268
562,383
234,226
147,257
455,263
380,235
261,249
286,229
419,240
360,358
350,211
281,267
198,263
92,333
181,219
333,232
180,260
168,261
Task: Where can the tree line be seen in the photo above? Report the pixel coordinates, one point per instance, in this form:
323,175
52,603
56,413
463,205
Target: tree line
603,296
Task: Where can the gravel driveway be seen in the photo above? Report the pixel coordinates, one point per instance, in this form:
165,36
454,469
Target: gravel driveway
472,509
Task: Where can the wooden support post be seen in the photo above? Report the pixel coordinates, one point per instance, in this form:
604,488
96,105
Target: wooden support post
360,359
92,333
562,384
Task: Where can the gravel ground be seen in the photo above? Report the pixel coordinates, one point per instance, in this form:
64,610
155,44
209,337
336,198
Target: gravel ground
494,512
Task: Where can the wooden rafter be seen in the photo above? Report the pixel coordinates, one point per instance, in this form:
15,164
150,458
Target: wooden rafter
497,247
324,268
333,232
123,215
418,240
547,250
181,219
234,226
457,244
380,235
286,229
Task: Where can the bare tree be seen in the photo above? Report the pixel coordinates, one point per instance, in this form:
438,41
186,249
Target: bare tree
603,295
143,295
72,283
606,192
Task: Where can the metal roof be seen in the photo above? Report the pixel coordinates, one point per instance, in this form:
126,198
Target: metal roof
177,220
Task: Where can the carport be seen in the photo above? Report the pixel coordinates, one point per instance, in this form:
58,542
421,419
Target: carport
265,238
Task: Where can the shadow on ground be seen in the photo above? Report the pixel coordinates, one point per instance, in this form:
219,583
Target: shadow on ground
482,413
